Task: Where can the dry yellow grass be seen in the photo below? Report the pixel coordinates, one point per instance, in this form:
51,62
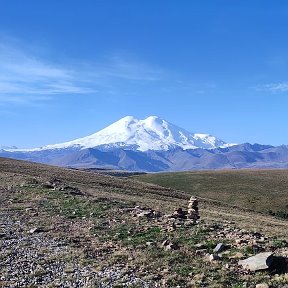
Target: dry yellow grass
212,187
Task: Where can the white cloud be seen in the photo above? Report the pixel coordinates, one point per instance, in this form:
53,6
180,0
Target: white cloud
274,87
27,79
24,78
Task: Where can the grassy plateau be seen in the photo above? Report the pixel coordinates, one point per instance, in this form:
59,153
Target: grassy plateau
68,228
263,191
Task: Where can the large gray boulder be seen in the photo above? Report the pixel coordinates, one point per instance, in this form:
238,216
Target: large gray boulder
260,261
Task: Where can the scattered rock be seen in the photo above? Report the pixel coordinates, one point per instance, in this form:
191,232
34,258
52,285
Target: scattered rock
257,235
261,261
169,245
143,214
171,227
36,230
220,247
200,246
257,249
200,251
280,265
262,285
179,213
213,257
240,241
237,255
71,190
69,270
48,185
172,246
148,213
198,278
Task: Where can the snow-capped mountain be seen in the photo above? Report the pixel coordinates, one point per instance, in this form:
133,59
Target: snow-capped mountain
153,145
152,133
3,147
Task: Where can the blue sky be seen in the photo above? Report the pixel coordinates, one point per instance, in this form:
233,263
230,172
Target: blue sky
69,68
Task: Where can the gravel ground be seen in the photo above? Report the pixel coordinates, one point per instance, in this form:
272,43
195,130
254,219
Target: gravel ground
39,260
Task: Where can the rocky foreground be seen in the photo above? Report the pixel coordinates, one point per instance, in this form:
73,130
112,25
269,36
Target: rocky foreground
53,235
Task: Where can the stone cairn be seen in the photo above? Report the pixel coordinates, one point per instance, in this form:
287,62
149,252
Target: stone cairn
193,211
179,213
191,214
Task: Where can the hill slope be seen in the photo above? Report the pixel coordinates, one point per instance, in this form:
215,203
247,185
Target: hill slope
259,190
72,228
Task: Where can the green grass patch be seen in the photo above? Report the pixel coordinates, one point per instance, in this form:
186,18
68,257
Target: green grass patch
152,234
265,191
65,204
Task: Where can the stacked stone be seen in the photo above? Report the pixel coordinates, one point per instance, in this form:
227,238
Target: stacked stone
179,213
193,211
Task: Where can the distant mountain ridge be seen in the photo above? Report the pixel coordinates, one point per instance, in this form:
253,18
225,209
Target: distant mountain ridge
234,157
153,145
8,147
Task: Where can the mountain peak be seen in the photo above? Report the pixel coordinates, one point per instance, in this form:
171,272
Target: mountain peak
152,117
151,133
153,121
127,119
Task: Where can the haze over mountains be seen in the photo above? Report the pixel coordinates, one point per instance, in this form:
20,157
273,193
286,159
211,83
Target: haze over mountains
152,145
